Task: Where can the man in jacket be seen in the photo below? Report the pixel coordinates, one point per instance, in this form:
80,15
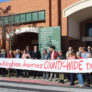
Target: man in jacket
53,56
36,55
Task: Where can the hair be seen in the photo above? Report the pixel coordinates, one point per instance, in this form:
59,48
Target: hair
83,48
35,45
45,50
71,52
53,47
17,50
89,47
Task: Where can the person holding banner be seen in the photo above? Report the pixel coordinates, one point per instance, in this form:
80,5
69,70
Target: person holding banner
18,55
88,76
3,55
61,75
10,55
71,56
79,75
53,56
26,55
44,57
36,55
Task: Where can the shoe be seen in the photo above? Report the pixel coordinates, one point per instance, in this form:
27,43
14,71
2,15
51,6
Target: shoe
81,86
61,81
34,77
71,84
50,79
54,80
44,78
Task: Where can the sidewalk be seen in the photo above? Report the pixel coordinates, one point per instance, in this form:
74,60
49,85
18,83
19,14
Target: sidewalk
35,81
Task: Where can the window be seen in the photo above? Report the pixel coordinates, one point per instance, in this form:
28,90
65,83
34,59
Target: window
25,17
89,29
34,16
42,15
17,18
11,19
22,18
6,20
28,17
90,32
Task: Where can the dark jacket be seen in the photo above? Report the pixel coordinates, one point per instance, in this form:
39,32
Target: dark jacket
3,55
36,55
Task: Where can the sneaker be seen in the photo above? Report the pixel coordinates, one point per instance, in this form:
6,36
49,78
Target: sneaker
81,86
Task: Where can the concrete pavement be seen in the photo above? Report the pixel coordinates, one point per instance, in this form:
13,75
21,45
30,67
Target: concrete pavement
23,87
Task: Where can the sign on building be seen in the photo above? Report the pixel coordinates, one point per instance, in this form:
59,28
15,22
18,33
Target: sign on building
49,36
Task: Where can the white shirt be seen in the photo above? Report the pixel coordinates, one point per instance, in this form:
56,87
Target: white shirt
52,56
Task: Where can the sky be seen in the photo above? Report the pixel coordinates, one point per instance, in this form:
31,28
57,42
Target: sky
3,1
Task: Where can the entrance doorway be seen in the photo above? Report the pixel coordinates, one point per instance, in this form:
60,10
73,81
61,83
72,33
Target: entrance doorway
25,39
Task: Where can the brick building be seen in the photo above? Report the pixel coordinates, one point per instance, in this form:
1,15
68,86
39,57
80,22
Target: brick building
74,17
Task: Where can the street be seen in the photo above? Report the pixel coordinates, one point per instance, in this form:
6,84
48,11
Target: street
22,87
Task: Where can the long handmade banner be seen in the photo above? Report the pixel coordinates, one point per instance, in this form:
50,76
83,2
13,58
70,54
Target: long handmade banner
63,66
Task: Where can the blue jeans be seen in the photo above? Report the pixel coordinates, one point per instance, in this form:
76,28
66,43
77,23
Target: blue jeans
80,78
45,75
72,78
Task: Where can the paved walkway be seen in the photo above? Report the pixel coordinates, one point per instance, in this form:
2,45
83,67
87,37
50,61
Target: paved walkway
22,87
35,81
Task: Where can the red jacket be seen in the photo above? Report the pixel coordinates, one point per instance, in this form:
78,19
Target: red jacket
10,56
55,55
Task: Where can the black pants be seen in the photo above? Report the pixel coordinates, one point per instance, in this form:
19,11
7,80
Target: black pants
3,71
26,73
19,73
35,74
72,78
88,78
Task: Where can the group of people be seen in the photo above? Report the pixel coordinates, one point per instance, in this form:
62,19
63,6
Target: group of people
50,54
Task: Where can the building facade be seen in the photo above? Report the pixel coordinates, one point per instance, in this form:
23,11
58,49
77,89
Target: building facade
74,17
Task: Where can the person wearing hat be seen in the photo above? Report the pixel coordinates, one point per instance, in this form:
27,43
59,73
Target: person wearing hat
61,75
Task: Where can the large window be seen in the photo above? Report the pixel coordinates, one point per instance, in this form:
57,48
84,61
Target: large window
24,17
89,29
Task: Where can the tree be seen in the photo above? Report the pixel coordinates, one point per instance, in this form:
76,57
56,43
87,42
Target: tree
11,33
